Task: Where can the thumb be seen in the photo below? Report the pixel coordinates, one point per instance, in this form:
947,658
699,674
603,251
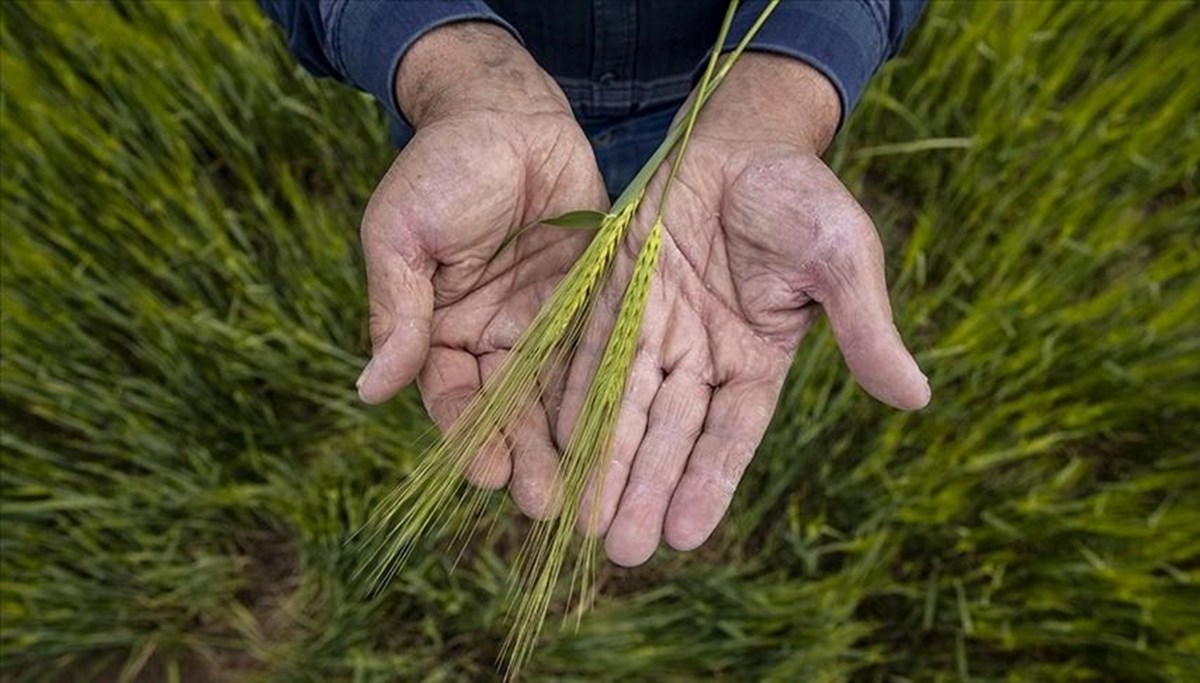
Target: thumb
401,307
852,290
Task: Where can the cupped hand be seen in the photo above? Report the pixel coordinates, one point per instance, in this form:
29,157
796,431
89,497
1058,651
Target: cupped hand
760,238
495,148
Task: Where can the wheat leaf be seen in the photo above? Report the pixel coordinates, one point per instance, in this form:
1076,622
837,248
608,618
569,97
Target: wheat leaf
584,219
434,499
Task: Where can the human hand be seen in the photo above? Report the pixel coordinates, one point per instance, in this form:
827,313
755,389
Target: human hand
759,237
496,148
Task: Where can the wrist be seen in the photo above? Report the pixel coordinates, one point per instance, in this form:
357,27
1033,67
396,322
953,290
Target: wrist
472,65
772,98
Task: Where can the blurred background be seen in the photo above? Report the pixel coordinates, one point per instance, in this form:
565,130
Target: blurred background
184,316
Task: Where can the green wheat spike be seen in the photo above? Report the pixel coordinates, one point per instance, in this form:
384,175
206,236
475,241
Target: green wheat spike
435,498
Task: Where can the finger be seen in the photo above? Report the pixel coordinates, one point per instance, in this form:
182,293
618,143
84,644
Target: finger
492,466
534,485
676,418
401,306
602,492
582,363
596,512
449,382
601,316
553,390
737,418
853,292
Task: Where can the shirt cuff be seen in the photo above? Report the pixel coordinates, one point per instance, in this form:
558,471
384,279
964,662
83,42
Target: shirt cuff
370,37
843,39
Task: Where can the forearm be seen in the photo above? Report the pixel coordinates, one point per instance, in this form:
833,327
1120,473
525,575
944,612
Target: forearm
362,43
771,98
472,65
844,40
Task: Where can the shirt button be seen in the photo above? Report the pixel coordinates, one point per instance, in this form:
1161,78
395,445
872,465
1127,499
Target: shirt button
607,78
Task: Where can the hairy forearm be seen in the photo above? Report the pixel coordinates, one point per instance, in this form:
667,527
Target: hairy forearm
773,98
472,65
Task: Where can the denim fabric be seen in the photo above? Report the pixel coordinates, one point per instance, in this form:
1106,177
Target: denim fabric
623,146
613,58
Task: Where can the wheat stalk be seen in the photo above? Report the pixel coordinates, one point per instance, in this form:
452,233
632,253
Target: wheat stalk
542,557
434,499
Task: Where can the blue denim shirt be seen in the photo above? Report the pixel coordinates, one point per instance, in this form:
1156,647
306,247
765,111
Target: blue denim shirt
625,65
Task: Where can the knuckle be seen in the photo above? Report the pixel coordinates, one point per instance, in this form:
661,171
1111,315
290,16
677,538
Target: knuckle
723,473
848,247
774,192
380,322
488,472
377,218
733,465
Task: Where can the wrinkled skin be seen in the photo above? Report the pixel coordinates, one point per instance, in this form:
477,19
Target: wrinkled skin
760,237
445,306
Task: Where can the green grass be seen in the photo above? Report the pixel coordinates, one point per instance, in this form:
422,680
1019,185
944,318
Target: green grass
183,318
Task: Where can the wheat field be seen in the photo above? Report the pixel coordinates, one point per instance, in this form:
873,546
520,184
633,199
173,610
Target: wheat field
183,458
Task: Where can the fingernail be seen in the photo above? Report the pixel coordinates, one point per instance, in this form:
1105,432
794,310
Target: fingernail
363,375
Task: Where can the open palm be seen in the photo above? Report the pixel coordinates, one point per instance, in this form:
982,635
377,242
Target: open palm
447,302
759,239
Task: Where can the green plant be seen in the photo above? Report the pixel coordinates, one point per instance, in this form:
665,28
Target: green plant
182,455
435,499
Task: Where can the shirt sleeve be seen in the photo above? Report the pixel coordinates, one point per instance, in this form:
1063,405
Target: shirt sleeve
846,40
361,42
